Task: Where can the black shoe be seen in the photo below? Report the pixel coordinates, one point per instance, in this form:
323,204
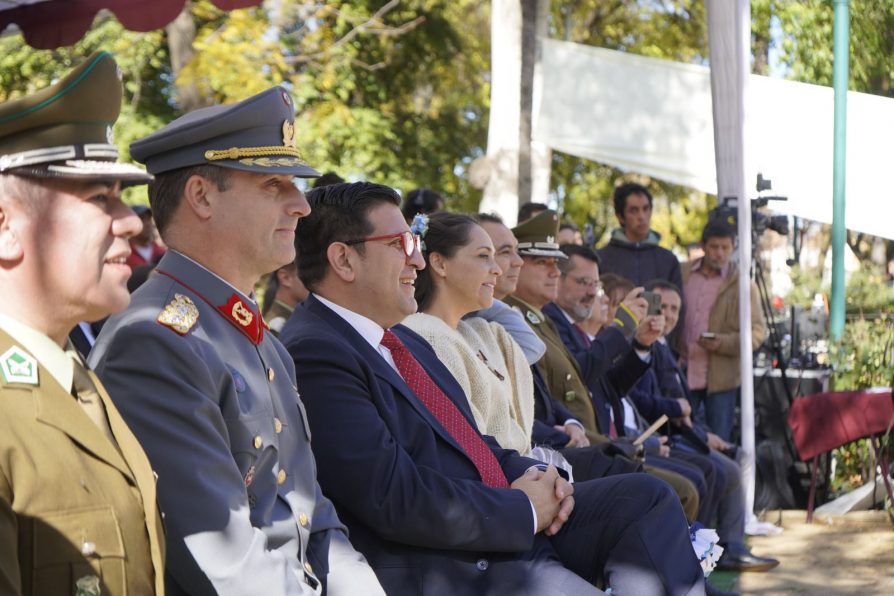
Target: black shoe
745,562
712,591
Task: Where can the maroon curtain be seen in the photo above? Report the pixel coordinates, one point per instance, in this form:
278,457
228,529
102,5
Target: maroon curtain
54,23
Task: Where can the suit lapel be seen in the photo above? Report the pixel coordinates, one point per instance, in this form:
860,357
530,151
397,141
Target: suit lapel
380,367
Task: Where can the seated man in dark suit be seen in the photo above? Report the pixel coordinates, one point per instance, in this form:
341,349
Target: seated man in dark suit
435,506
670,385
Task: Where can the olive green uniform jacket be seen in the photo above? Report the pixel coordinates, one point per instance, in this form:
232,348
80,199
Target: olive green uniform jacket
77,514
560,370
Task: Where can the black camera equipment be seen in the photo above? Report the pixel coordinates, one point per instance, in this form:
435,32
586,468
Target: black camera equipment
780,480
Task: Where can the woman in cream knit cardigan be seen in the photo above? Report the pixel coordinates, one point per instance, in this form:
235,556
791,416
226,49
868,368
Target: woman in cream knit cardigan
459,278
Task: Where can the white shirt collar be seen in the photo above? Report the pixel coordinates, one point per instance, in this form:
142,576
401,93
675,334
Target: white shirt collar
371,331
567,316
50,355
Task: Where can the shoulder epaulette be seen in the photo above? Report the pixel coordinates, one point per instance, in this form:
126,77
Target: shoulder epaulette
180,315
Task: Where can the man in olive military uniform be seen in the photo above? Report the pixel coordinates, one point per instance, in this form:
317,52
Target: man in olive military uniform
77,496
538,285
207,389
283,293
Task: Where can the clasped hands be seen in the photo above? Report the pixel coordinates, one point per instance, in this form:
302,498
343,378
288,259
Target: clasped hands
551,496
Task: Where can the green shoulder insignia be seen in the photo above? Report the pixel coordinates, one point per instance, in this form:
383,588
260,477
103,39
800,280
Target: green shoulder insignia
18,366
180,314
88,586
533,318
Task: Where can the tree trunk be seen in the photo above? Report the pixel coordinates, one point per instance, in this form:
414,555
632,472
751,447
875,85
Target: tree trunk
181,34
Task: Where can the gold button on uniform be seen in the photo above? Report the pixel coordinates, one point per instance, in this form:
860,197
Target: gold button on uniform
277,425
258,442
270,374
281,477
302,519
308,567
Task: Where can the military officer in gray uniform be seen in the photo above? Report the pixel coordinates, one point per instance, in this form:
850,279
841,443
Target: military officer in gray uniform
204,385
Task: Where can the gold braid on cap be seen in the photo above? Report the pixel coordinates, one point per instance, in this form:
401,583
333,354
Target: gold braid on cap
239,152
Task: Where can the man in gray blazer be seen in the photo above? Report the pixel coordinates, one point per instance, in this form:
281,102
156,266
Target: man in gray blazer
206,388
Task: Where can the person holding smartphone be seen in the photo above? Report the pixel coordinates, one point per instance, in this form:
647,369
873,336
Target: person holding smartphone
711,328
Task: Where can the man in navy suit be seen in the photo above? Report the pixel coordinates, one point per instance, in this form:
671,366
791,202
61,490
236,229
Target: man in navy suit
435,508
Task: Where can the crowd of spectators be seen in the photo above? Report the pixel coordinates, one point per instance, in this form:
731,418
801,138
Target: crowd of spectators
428,402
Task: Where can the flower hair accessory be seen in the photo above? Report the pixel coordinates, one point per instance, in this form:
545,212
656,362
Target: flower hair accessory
419,227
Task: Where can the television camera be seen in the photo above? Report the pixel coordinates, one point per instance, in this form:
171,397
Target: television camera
760,222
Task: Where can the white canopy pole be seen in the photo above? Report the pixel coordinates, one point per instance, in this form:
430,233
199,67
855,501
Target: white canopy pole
501,191
729,35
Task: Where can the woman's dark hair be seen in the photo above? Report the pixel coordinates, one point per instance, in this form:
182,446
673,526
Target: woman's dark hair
446,234
421,200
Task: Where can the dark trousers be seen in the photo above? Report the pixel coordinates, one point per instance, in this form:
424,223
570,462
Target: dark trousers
628,532
728,514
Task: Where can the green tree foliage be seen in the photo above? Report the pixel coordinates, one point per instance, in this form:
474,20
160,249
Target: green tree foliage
805,44
393,92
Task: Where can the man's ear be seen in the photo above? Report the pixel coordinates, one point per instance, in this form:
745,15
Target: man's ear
343,260
196,197
11,249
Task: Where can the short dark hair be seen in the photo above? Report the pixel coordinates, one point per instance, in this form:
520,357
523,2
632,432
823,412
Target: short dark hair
166,191
446,234
272,286
717,228
327,179
529,210
339,213
421,200
576,250
569,226
627,189
663,284
487,218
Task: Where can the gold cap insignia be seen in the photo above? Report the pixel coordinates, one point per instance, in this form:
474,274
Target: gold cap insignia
288,134
180,314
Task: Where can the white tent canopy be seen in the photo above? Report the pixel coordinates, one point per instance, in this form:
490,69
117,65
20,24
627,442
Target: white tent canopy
654,117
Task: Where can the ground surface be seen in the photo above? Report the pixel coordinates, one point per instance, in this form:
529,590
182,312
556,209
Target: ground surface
834,556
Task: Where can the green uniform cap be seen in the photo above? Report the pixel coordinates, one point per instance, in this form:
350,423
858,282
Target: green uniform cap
65,130
537,236
254,135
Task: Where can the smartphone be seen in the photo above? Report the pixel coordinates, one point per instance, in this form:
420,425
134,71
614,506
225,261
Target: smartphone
709,335
654,300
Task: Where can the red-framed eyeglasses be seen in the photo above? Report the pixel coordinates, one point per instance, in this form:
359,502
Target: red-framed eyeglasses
409,241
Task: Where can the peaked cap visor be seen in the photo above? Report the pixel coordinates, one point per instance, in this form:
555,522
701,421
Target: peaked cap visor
64,130
537,236
254,135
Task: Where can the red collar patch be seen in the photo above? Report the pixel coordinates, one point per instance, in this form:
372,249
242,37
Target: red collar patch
243,318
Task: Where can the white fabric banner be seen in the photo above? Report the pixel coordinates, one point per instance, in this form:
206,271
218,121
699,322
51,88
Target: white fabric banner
655,117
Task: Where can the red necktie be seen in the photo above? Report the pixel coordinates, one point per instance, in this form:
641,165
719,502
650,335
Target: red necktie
446,412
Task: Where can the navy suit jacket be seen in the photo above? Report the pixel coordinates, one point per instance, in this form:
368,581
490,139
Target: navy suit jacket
595,360
413,501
